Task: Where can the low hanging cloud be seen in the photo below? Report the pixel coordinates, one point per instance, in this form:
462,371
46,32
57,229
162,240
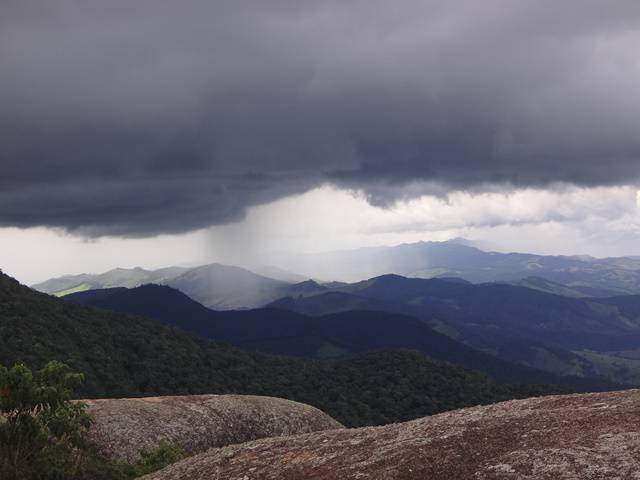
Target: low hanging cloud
154,116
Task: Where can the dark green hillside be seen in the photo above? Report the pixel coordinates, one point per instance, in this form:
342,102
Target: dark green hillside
523,325
124,355
489,315
334,302
574,291
277,331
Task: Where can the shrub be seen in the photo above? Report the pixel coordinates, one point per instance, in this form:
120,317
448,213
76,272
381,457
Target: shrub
42,432
151,460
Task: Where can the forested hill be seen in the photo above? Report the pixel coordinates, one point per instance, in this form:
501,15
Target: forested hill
125,355
277,331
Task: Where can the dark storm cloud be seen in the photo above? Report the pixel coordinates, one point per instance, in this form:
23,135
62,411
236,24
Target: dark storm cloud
142,117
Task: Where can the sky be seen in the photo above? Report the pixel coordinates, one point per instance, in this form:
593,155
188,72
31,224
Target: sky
159,132
601,221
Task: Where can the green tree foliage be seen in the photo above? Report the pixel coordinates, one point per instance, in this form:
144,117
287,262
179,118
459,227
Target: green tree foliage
151,460
42,432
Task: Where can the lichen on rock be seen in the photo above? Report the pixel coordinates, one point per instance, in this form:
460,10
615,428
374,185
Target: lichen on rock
572,437
124,427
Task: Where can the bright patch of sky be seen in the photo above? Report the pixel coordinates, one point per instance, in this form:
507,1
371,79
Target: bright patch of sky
601,221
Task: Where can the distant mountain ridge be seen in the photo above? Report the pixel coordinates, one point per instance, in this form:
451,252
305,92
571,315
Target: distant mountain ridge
576,291
118,277
484,314
561,334
227,287
458,258
218,286
584,311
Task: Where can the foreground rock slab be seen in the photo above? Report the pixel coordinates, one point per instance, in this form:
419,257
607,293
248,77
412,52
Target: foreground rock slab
592,436
124,427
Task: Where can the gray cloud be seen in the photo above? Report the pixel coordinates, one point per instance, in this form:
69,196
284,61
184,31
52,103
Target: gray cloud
136,118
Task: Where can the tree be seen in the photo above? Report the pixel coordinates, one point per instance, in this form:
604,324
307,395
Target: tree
42,431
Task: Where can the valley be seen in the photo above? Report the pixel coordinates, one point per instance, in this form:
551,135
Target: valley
373,352
533,322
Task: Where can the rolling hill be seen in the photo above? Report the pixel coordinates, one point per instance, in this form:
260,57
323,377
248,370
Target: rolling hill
458,258
488,315
218,286
283,332
225,287
558,334
118,277
124,355
576,291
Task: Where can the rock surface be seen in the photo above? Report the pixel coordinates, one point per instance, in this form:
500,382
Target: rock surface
123,427
592,436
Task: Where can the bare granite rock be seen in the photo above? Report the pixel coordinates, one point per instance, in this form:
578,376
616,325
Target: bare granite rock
578,437
124,427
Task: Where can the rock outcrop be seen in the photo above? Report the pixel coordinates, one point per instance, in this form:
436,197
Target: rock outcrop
592,436
124,427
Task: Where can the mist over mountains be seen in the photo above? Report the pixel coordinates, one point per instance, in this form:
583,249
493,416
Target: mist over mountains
485,324
573,316
217,286
132,355
228,287
458,258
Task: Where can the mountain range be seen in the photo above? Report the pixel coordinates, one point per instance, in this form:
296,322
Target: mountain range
127,355
564,335
459,258
567,315
278,331
218,286
229,287
485,315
